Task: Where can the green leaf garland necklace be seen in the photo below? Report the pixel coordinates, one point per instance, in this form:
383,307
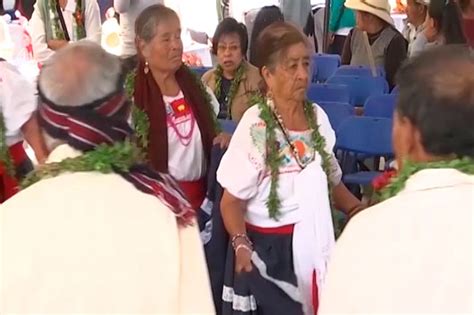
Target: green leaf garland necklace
274,159
5,156
233,87
398,183
140,121
118,157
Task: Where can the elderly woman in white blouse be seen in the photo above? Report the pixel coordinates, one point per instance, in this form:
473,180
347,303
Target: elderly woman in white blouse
276,174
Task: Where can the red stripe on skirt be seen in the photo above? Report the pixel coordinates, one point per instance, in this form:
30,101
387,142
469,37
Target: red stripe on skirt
315,294
195,191
9,185
285,229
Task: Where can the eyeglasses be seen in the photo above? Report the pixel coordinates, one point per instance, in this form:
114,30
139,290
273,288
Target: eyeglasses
231,48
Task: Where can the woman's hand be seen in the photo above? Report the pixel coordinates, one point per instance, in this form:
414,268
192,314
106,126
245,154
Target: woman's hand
243,255
223,139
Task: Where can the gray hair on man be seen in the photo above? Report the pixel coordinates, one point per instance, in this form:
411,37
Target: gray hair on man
79,74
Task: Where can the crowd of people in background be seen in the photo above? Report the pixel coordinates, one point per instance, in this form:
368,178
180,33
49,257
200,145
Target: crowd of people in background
132,155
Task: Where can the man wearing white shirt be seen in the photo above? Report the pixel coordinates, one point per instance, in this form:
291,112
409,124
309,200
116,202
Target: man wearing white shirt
53,26
97,232
412,253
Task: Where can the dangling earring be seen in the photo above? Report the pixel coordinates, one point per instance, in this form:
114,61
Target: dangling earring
146,69
270,99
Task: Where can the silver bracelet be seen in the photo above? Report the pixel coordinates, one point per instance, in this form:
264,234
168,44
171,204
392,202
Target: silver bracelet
237,236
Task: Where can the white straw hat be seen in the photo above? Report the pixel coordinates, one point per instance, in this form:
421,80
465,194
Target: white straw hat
379,8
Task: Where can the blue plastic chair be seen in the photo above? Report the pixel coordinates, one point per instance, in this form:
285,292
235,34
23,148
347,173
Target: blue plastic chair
227,125
337,112
359,71
328,93
366,137
324,66
200,70
361,87
380,106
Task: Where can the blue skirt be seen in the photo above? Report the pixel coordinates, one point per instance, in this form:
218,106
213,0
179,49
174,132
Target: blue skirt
260,292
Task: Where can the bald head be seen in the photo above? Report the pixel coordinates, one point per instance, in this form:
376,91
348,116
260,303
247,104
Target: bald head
79,74
437,97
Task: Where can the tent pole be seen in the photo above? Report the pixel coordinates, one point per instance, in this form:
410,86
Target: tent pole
327,10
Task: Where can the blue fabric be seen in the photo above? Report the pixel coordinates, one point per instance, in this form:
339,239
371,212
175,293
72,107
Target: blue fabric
324,66
366,135
227,125
359,71
361,87
199,71
213,232
360,138
380,106
361,178
329,93
337,112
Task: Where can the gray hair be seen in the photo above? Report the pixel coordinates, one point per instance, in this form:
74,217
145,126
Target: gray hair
148,20
76,75
79,74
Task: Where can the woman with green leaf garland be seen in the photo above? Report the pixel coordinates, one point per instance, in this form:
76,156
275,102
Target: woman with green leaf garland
175,115
278,173
412,253
234,80
55,23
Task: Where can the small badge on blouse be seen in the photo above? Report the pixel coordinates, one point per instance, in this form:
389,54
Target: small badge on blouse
180,108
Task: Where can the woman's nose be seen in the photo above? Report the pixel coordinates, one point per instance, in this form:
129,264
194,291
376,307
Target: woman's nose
302,73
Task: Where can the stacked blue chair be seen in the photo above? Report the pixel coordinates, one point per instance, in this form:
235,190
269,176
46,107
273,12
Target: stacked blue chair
359,71
380,106
227,125
337,112
368,137
200,70
329,93
361,87
324,66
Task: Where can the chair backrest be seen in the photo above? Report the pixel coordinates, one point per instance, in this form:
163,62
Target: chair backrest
337,112
361,87
329,93
228,126
367,135
380,106
359,71
200,70
324,66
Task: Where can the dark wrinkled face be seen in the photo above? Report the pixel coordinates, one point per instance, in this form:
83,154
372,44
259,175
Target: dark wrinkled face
289,78
164,52
229,52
